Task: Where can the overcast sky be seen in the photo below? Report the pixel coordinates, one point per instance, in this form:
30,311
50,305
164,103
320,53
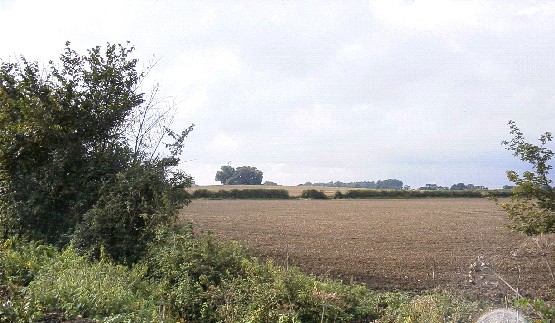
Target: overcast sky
419,90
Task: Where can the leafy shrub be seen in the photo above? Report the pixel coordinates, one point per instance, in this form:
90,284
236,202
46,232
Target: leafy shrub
251,193
186,267
384,194
20,261
129,210
338,195
100,290
314,194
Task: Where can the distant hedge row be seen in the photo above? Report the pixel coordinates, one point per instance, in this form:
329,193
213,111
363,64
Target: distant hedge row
255,193
264,193
376,194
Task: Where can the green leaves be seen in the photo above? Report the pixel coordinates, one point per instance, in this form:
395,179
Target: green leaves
532,206
66,161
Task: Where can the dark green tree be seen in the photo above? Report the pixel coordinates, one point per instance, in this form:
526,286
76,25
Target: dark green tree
225,174
244,175
532,206
459,187
66,159
390,184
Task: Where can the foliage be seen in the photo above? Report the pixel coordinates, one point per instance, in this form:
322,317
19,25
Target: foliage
225,174
187,267
185,278
467,187
314,194
436,306
99,290
66,163
388,184
245,175
257,193
20,261
532,205
209,282
404,194
130,208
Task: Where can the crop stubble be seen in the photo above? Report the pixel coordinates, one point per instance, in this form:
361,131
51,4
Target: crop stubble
387,244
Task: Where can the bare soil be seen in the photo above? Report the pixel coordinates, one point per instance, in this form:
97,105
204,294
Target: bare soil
409,244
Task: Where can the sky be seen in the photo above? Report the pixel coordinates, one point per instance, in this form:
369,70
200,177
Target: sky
420,91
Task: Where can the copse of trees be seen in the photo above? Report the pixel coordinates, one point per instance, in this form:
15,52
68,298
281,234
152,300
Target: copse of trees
75,165
388,184
245,175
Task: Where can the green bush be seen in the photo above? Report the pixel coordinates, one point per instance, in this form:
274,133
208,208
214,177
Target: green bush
186,268
20,261
314,194
393,194
250,193
129,210
100,290
338,195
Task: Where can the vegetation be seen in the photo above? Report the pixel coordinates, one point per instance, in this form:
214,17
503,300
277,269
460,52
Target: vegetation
314,194
69,171
255,193
369,194
388,184
245,175
81,172
190,278
532,206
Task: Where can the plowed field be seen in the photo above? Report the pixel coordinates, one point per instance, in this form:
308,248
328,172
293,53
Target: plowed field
387,244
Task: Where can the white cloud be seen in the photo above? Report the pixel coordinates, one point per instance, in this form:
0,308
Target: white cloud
223,143
316,120
426,14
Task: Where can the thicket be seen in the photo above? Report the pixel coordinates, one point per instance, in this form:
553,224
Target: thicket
184,277
314,194
250,193
393,194
79,158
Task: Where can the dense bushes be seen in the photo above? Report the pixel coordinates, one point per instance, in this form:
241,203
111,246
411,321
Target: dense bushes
377,194
264,193
254,193
186,278
314,194
79,158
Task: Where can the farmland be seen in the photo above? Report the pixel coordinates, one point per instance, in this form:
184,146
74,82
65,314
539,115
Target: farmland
410,244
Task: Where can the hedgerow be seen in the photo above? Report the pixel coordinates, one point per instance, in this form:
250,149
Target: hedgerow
250,193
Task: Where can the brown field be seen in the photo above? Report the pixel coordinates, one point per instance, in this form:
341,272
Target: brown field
387,244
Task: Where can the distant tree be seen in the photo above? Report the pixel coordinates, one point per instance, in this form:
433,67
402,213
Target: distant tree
508,187
225,174
469,187
245,175
458,187
269,183
532,206
390,184
429,187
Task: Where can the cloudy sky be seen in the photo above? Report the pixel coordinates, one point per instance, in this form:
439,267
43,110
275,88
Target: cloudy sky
419,90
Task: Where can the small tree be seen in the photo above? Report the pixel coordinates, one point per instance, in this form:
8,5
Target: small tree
532,205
